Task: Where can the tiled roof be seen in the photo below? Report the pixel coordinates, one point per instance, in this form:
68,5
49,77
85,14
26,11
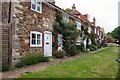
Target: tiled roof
75,12
84,18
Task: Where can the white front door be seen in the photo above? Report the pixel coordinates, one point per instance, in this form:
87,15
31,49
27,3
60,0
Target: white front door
47,44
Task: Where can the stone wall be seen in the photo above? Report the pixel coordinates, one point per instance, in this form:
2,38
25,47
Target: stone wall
25,21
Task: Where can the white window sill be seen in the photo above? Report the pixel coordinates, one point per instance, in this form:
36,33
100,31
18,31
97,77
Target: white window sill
35,45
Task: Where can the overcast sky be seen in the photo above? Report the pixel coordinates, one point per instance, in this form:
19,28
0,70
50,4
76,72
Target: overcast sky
105,11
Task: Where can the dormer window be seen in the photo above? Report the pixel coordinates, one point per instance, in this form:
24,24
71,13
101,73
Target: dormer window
36,5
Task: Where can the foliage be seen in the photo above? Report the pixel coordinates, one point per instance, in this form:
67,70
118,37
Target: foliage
81,47
116,33
31,59
102,64
59,54
5,67
70,36
68,10
69,32
92,47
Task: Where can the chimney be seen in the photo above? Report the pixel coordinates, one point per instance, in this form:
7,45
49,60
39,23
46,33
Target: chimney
51,1
73,7
94,21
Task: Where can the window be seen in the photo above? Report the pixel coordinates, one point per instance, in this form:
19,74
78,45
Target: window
60,42
35,39
36,5
89,29
78,25
33,4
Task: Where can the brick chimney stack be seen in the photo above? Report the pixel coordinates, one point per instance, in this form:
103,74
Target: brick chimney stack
73,7
94,21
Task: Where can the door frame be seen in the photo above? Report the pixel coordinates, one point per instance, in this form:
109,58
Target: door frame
47,32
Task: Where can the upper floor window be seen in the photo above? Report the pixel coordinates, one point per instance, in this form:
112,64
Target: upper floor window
36,5
78,25
35,39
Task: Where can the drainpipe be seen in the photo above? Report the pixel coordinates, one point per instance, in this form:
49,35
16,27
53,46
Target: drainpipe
10,34
9,20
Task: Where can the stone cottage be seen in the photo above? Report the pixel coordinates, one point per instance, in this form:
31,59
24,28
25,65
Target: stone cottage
28,28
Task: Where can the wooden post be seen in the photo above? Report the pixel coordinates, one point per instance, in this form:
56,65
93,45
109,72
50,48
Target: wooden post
0,36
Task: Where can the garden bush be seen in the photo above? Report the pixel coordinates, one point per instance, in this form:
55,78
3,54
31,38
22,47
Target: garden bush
31,59
59,54
80,48
92,47
68,31
5,67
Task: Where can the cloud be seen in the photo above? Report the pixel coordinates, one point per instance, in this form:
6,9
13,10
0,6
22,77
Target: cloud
105,11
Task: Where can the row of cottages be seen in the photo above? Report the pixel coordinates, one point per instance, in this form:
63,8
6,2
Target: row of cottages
96,31
27,27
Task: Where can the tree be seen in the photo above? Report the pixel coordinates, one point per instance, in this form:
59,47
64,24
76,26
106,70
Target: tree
68,10
116,33
69,32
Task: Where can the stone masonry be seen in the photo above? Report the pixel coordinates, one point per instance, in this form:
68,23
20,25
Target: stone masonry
26,20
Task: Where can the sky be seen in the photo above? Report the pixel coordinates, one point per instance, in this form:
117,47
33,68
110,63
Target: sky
105,11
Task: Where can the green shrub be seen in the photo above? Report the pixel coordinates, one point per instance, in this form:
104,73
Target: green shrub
5,67
31,59
80,48
59,54
92,47
68,31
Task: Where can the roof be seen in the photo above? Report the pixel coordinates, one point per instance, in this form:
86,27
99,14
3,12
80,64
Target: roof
61,10
75,12
84,18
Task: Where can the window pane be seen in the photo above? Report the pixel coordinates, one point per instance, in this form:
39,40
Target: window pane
38,9
60,43
38,6
38,42
38,39
38,36
33,6
33,38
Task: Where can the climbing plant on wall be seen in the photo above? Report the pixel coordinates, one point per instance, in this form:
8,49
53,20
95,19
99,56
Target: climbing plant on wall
69,32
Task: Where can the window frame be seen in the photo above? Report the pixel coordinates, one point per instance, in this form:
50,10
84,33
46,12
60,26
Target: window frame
78,23
36,2
36,39
89,29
